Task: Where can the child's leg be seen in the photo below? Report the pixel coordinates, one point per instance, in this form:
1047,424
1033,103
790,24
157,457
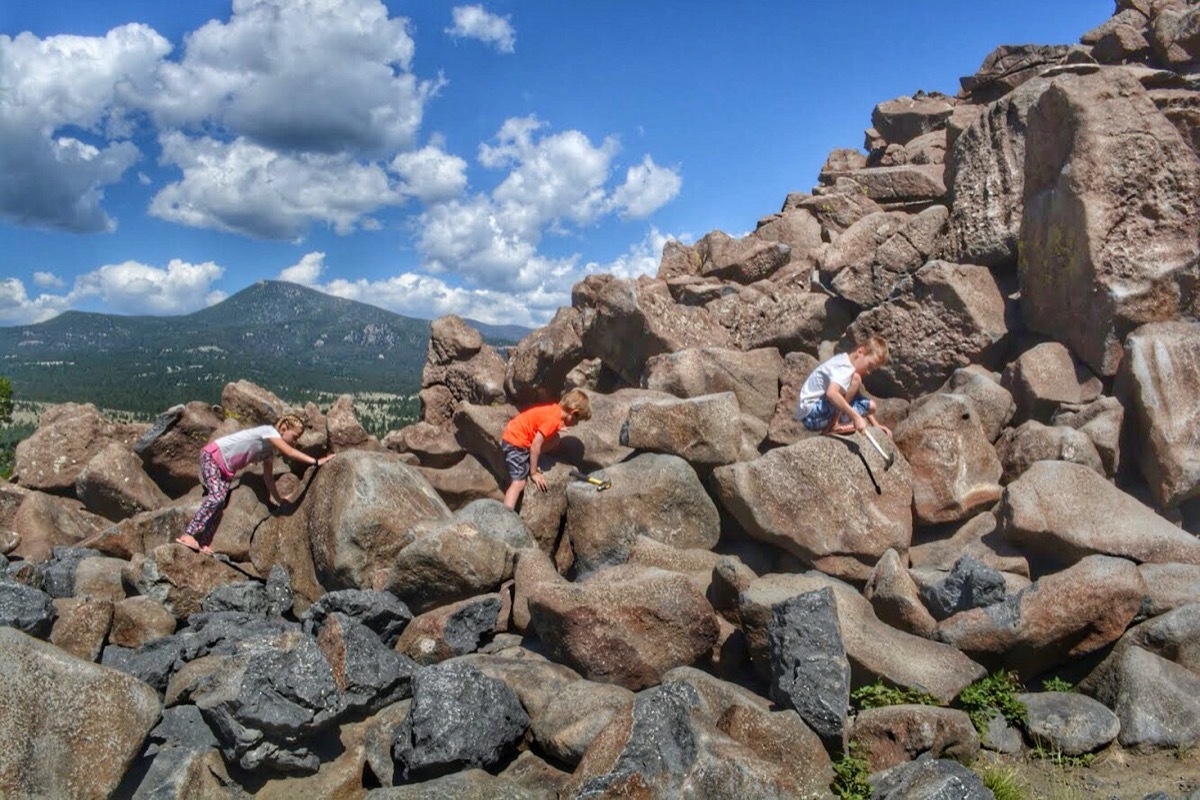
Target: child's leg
216,488
516,459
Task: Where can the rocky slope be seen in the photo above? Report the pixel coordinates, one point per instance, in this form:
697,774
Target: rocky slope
1030,250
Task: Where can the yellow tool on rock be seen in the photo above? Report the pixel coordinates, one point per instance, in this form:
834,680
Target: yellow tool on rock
599,484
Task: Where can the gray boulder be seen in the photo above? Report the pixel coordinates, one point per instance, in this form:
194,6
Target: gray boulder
809,668
1070,723
382,612
928,778
368,674
249,597
459,718
26,609
969,585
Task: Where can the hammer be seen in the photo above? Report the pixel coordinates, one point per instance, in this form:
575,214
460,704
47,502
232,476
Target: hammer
888,458
599,484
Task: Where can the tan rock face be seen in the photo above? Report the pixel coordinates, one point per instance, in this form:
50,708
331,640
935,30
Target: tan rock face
1090,270
452,564
787,317
1058,512
1161,378
898,734
955,470
537,367
464,482
906,118
894,596
1019,448
816,499
659,496
93,742
1046,377
45,521
1060,617
82,625
949,316
626,625
246,404
752,376
751,258
67,438
902,244
137,620
993,403
344,430
704,431
637,319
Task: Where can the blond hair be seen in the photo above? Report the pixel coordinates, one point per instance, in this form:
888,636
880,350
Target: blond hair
577,403
876,347
289,422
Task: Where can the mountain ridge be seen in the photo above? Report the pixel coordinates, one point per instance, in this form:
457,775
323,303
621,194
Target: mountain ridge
291,339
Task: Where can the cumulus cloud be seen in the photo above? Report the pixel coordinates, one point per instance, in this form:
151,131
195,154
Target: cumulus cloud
134,288
299,75
48,280
54,91
555,181
307,271
242,187
18,308
647,188
430,174
475,22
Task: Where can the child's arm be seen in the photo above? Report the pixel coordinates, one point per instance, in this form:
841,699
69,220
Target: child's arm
535,452
297,455
269,479
837,398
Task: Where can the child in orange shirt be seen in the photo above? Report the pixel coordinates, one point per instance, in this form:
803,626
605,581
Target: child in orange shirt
533,432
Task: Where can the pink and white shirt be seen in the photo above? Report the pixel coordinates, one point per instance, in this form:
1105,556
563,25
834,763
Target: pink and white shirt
233,452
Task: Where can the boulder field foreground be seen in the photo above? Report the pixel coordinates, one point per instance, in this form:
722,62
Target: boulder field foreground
1031,250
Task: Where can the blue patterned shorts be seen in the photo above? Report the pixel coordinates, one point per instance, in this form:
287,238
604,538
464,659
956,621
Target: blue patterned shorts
820,417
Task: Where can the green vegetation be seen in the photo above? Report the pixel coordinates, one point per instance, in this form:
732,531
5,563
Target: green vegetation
994,694
10,434
1048,752
878,695
850,776
1003,782
1057,684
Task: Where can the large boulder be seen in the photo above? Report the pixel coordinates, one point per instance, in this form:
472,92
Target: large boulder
905,118
181,578
355,512
705,431
1044,378
1101,421
114,485
1021,447
343,429
26,609
751,258
45,521
67,438
876,650
944,317
459,718
1175,35
985,174
1161,381
929,777
893,735
1103,250
636,319
896,599
903,184
463,483
247,404
1156,700
654,495
1067,722
955,471
695,731
1009,66
753,376
1061,616
1058,512
170,449
818,500
448,565
876,252
92,743
433,445
993,403
625,625
537,367
785,316
458,359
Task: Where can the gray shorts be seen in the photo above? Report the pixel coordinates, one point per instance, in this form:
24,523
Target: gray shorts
517,461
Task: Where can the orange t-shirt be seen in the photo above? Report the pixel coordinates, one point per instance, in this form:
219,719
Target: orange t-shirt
521,429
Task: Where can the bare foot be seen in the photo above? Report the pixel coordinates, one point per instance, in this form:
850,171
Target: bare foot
189,541
842,429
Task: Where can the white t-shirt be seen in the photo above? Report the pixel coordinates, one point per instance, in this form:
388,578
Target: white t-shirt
837,370
238,449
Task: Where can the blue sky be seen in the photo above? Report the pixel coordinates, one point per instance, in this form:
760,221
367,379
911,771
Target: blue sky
428,157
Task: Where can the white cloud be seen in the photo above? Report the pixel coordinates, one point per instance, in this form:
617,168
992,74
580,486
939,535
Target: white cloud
48,280
475,22
307,271
54,91
300,75
430,174
244,188
554,181
642,258
647,188
17,308
134,288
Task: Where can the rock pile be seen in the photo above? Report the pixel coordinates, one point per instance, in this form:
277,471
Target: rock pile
1031,250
